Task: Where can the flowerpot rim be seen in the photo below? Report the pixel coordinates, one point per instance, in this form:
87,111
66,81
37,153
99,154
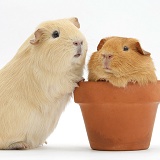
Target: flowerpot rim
104,92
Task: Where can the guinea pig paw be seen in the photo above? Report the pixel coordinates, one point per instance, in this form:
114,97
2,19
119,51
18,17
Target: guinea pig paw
102,80
44,143
82,80
18,146
133,81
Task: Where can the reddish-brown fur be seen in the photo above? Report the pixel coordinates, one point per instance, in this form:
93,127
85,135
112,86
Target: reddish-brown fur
111,63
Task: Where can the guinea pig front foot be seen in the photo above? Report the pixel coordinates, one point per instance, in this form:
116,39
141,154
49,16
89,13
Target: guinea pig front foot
82,80
44,143
133,81
102,80
18,146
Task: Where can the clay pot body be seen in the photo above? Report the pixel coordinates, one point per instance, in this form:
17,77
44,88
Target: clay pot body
118,118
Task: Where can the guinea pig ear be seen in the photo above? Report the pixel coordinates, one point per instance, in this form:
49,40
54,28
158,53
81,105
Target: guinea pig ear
140,50
37,36
101,43
74,20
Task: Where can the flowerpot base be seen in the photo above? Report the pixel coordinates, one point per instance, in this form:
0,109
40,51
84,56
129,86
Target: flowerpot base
117,146
122,127
122,147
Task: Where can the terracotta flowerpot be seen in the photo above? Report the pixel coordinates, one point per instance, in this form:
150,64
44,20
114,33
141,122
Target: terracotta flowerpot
118,118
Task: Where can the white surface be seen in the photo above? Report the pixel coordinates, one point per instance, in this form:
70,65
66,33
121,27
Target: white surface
98,19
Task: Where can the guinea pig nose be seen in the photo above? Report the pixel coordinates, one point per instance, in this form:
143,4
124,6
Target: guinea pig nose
78,43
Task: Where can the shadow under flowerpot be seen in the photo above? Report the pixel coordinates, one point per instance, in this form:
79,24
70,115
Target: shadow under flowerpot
118,118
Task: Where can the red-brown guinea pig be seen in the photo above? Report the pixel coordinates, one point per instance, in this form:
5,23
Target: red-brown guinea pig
121,60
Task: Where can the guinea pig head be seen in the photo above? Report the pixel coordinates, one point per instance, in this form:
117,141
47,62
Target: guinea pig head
124,56
59,44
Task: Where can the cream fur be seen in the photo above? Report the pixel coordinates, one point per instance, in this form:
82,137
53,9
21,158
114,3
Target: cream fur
37,83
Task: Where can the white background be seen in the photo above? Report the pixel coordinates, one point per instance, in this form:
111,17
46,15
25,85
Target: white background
98,18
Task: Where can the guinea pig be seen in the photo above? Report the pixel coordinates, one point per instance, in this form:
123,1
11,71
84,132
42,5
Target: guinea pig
120,61
37,83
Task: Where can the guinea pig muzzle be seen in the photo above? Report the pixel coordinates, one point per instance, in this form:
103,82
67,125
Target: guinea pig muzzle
106,61
79,52
78,45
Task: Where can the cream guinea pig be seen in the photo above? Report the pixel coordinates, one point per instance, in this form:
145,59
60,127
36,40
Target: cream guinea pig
37,83
120,61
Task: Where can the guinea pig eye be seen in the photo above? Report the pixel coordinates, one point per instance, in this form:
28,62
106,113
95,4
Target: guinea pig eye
125,48
55,34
